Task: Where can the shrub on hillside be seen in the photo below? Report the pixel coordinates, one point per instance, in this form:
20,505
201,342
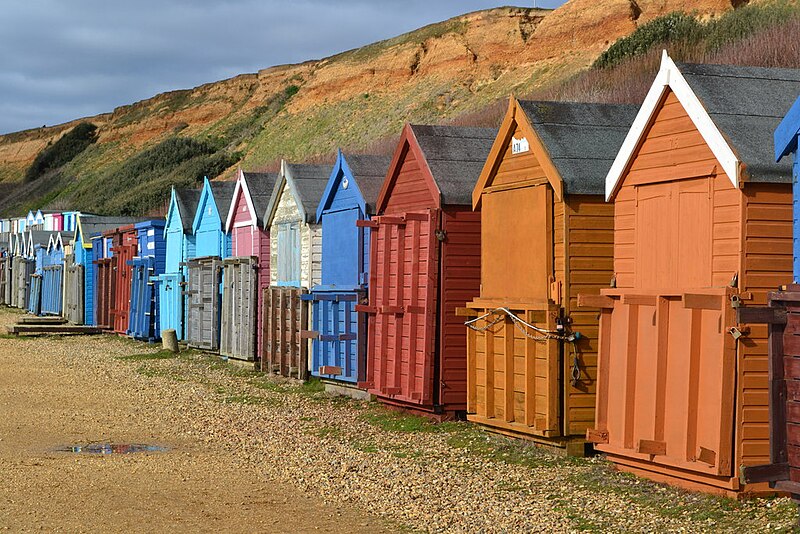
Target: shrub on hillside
62,151
673,27
686,36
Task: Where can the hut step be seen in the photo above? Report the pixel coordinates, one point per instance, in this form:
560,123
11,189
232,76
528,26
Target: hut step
20,329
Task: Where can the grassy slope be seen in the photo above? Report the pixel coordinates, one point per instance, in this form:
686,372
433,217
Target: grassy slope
258,137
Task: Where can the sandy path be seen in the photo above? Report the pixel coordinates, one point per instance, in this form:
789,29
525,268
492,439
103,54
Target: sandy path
46,402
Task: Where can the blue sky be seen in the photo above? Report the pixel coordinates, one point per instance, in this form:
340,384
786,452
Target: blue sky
65,59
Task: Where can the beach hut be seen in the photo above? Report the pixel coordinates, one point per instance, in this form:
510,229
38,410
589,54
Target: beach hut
36,245
703,227
101,282
339,346
80,267
246,273
53,276
295,266
15,254
179,246
30,221
212,245
425,246
70,220
115,280
147,266
546,233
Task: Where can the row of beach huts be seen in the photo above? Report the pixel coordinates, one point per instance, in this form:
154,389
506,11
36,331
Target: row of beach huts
576,278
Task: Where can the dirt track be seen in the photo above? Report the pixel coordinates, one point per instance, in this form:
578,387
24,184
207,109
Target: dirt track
47,401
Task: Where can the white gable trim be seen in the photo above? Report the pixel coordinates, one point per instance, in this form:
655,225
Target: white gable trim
669,77
241,187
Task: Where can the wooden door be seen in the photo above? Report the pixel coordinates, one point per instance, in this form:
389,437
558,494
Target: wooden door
204,303
124,254
285,351
666,385
74,293
673,234
104,292
403,307
141,310
289,271
339,350
170,302
3,279
341,248
237,339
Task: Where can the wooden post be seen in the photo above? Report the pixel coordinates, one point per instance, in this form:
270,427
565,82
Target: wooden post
169,340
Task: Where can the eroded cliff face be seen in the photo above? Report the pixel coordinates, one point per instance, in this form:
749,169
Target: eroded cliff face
352,99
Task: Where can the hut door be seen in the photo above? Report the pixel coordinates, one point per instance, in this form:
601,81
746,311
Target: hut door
403,289
667,379
171,303
289,254
203,324
340,248
673,234
239,309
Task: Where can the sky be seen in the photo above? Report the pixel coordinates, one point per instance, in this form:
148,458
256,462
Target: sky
65,59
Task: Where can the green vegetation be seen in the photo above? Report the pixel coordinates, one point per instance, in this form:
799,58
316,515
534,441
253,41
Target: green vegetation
161,355
145,179
391,421
672,27
62,151
685,32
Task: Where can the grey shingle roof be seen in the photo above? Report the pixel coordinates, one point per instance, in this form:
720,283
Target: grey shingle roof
223,194
94,225
456,156
369,173
581,139
40,237
747,104
309,182
187,200
262,187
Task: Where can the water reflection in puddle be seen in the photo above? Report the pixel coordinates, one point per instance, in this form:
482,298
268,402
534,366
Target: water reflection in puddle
110,448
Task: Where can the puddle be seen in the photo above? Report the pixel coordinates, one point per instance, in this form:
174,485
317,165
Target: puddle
110,448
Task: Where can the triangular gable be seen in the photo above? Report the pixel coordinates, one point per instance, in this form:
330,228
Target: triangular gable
39,217
241,189
787,132
340,170
284,179
206,196
55,242
670,78
31,218
78,235
516,118
408,143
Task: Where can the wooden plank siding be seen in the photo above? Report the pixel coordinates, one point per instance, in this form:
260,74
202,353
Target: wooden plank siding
767,265
461,260
589,230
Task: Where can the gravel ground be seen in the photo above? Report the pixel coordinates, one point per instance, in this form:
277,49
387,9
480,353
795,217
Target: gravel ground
297,459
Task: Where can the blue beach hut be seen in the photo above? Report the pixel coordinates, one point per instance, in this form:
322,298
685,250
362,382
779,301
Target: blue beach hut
179,245
53,275
339,349
147,265
212,245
